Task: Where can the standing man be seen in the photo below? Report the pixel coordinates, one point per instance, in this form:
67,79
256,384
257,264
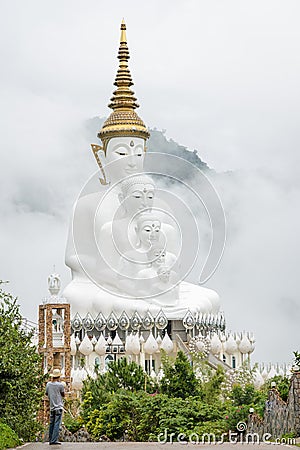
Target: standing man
55,391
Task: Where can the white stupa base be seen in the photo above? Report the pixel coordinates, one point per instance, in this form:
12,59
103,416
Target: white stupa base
85,297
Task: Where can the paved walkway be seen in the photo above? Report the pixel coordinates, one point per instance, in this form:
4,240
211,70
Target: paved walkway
139,445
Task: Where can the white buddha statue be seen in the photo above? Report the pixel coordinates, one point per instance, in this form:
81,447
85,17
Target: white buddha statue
117,218
147,232
159,279
159,256
119,249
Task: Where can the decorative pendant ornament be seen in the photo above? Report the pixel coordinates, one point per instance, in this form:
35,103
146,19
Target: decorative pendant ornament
100,347
245,345
189,321
161,320
124,321
222,322
132,344
100,322
128,344
136,321
94,340
150,346
148,321
73,349
135,344
76,323
96,149
166,344
88,322
215,344
117,340
230,345
211,322
112,322
131,144
218,322
199,321
86,347
252,340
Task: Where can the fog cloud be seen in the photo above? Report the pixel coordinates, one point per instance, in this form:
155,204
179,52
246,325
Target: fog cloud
220,77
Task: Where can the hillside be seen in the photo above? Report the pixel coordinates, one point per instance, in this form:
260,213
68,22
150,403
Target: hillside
157,143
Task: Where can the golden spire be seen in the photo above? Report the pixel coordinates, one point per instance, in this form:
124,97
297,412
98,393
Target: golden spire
123,121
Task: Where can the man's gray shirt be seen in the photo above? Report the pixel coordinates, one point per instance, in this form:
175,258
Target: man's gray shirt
55,391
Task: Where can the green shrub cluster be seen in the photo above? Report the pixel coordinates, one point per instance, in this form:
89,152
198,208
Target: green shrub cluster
142,416
21,378
8,438
125,404
117,406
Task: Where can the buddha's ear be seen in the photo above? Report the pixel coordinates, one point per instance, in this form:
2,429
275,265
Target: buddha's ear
138,241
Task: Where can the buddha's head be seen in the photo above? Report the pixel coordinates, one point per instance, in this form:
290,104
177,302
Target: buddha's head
124,133
148,229
157,254
164,273
137,194
124,156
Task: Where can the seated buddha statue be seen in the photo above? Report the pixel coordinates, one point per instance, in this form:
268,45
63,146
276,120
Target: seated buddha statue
106,226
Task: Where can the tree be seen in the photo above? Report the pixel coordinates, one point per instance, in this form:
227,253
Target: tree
21,378
212,388
122,374
179,379
8,437
283,384
297,358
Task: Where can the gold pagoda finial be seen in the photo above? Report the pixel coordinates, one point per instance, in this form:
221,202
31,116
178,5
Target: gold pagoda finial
123,121
123,31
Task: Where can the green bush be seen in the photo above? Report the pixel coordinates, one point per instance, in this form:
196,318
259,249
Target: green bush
179,378
21,377
8,438
121,375
211,389
243,395
72,424
116,404
215,427
144,416
282,386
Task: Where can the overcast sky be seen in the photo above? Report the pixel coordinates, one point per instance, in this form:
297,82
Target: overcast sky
221,77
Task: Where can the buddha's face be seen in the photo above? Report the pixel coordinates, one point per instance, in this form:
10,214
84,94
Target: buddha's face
139,197
157,256
124,157
148,231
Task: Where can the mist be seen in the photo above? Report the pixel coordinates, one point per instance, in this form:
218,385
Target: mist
219,78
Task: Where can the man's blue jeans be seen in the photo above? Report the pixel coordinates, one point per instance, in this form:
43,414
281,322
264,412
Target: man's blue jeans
55,421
